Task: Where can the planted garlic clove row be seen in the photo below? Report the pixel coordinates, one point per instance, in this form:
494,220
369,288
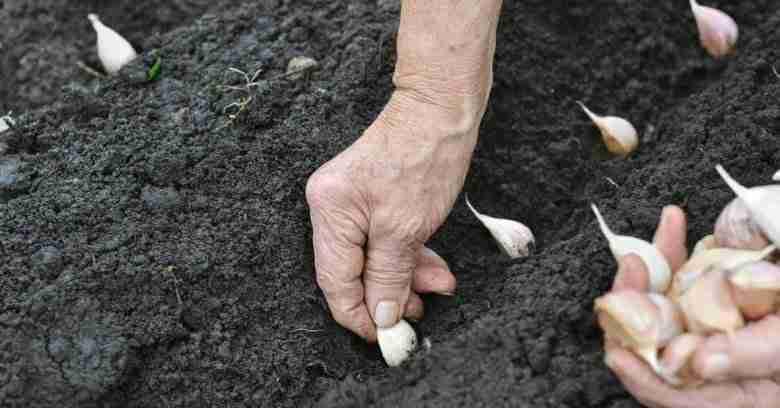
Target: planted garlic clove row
618,134
114,50
641,322
514,238
718,32
621,245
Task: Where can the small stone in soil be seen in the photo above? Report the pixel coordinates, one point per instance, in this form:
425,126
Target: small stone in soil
299,64
48,261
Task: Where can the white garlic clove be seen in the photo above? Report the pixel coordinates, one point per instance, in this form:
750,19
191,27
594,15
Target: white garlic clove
676,359
6,122
114,50
756,287
618,134
396,343
776,176
513,237
709,306
621,245
639,322
735,228
762,203
700,262
705,244
718,32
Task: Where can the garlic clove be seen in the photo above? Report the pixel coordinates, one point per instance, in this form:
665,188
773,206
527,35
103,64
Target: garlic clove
735,227
676,359
618,134
6,122
776,176
718,32
513,237
705,244
396,343
762,203
640,322
621,245
709,306
756,287
700,262
114,50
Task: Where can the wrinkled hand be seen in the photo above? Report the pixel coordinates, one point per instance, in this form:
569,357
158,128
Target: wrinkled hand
374,205
744,369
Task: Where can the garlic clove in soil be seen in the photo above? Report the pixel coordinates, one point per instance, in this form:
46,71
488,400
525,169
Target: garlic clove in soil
676,359
705,244
718,32
701,261
735,227
641,322
6,123
618,134
756,287
513,237
709,306
621,245
114,50
396,343
776,176
762,203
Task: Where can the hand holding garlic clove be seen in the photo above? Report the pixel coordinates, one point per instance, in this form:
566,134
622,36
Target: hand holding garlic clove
718,292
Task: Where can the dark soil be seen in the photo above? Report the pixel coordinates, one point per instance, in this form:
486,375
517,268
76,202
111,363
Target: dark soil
156,255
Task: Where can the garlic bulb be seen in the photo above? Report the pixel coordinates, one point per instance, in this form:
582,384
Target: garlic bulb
513,237
762,203
709,306
756,287
618,134
640,322
396,343
706,243
113,50
735,228
701,261
676,359
621,245
718,32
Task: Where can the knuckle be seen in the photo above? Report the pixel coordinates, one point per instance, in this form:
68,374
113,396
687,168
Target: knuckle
323,187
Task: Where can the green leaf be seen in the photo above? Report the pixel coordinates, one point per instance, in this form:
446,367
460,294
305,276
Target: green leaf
154,71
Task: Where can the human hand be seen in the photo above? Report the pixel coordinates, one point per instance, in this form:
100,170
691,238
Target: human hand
742,370
375,205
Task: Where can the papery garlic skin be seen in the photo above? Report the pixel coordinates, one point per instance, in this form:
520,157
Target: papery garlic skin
618,134
762,203
705,244
756,287
114,50
735,227
396,343
676,360
639,322
718,32
722,258
709,306
621,245
514,238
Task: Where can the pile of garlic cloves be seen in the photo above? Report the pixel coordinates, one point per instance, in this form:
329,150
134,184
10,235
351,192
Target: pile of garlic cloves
718,290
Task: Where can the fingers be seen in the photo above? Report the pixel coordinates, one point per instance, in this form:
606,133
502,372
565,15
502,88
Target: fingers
432,274
632,274
670,236
414,307
752,352
387,279
640,380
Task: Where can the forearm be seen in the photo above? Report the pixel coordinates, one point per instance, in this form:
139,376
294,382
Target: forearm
444,69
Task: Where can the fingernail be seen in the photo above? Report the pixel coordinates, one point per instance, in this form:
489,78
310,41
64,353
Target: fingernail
386,313
446,293
716,366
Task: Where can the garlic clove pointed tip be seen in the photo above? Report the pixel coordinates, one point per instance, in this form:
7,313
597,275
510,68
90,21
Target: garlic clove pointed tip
594,117
602,223
735,186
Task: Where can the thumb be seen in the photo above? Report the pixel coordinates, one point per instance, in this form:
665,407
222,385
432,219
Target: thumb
753,352
387,280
